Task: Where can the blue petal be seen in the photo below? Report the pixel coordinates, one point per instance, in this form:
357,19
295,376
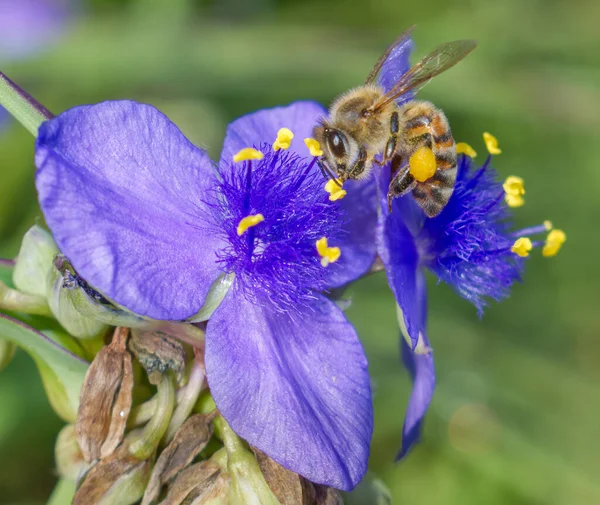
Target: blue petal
258,127
398,252
294,385
121,189
397,64
421,368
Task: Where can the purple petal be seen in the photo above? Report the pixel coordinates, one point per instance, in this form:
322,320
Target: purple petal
358,244
295,386
121,189
262,126
421,369
398,252
397,64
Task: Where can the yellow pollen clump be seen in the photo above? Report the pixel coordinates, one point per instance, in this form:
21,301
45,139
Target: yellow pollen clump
514,189
464,148
422,164
548,225
249,222
491,143
248,153
283,140
334,188
314,147
554,241
522,246
328,254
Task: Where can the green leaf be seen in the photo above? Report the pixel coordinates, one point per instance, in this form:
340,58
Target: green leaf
23,107
61,370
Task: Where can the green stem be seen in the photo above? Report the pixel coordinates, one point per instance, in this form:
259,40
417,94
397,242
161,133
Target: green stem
145,444
28,111
63,493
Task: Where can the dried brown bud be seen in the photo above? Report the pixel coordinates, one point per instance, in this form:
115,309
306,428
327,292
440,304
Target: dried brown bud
105,399
328,496
119,479
189,441
69,459
196,482
288,487
158,353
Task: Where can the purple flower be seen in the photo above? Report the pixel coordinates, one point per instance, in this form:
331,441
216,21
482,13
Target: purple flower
150,222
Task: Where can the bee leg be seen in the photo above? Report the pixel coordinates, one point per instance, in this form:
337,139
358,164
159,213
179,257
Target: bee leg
359,167
402,183
326,171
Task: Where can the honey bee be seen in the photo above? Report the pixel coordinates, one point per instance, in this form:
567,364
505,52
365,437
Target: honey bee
370,120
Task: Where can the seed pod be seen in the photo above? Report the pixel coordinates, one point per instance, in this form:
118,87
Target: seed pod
69,459
158,353
289,487
198,480
105,399
119,479
189,441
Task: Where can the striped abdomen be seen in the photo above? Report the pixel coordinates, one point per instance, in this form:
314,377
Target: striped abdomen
425,125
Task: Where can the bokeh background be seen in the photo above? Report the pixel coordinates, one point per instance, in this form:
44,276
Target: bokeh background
516,416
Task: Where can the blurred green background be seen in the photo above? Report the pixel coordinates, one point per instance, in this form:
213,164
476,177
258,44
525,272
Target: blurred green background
516,416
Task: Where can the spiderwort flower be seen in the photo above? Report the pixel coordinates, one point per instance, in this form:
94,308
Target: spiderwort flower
147,220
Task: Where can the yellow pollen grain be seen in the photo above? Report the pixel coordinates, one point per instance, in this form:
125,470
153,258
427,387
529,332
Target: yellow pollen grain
249,222
283,140
491,143
334,188
313,146
464,148
422,164
522,246
554,241
548,225
328,254
514,189
248,153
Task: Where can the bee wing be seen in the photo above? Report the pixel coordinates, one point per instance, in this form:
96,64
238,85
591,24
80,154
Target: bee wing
396,50
439,60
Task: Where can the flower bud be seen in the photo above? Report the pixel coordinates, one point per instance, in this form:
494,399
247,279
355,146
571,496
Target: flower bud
34,261
7,351
69,459
370,490
248,486
203,483
105,399
189,441
63,285
119,479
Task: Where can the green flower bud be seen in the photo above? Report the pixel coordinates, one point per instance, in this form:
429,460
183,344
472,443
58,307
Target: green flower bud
34,261
370,490
7,351
63,286
69,458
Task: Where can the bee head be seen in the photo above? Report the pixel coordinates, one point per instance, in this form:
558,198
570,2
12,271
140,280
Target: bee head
339,149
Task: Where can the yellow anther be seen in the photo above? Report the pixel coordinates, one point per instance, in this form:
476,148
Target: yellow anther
248,153
328,254
313,146
554,241
464,148
514,189
491,143
548,225
283,140
334,188
422,164
522,246
249,222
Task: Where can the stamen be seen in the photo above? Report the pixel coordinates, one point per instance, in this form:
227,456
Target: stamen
533,230
464,148
521,247
514,189
283,140
249,222
313,146
422,164
328,254
555,240
334,188
248,153
548,225
491,143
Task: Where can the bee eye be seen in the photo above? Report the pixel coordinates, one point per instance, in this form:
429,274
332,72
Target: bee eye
336,143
